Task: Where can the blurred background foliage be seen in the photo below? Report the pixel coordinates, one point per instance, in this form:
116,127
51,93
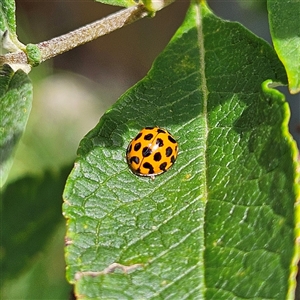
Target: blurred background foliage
73,90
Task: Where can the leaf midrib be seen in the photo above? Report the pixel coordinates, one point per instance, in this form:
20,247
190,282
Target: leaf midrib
203,87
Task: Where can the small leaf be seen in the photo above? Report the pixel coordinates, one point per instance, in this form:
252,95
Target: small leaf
123,3
7,16
284,24
9,41
220,223
15,106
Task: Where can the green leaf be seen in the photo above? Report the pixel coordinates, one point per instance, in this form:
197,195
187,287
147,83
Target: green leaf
7,16
220,224
30,212
8,35
285,30
45,279
15,106
123,3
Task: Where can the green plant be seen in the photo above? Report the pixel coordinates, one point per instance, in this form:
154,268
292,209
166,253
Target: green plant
223,222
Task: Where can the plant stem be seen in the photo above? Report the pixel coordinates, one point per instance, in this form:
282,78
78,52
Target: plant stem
90,32
79,36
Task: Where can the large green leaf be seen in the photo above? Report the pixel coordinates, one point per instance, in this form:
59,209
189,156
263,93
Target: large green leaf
15,106
285,29
220,224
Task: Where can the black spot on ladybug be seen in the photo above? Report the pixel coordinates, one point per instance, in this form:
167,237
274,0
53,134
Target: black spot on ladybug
148,137
149,128
173,159
134,159
163,166
160,130
159,142
170,138
138,136
157,156
137,146
146,151
148,166
169,151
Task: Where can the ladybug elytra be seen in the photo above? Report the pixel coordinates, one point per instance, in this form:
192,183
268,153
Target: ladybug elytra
152,152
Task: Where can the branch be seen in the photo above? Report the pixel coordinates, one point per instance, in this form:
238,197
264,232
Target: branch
66,42
91,31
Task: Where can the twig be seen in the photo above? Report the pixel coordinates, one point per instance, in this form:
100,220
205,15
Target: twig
82,35
91,31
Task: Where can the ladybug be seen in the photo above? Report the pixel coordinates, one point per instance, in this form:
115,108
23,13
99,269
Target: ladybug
152,152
